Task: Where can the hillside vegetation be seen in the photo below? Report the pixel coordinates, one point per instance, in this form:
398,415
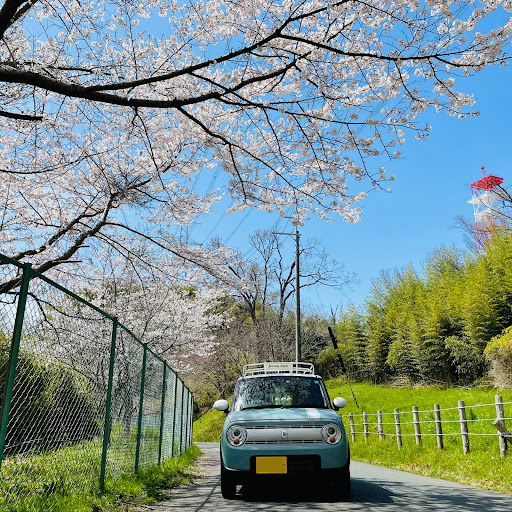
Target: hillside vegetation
482,466
446,324
443,326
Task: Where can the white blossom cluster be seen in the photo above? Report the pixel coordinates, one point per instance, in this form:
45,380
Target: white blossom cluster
109,110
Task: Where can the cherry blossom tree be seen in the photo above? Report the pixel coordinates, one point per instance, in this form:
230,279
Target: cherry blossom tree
172,317
109,110
175,322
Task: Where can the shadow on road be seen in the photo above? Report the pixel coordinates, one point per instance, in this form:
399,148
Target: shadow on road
369,492
305,491
373,495
204,496
437,495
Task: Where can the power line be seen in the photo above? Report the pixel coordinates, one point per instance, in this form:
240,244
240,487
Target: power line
239,224
249,253
214,227
210,186
208,190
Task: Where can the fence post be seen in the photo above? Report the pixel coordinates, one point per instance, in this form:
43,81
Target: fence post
181,412
439,426
108,405
162,416
500,415
13,356
398,429
188,419
352,428
191,436
141,405
464,427
417,428
174,412
379,426
190,414
365,426
189,427
185,437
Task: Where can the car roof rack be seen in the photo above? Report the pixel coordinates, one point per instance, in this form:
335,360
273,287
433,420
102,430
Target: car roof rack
284,367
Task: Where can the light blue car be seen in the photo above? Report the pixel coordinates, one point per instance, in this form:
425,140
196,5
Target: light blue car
281,425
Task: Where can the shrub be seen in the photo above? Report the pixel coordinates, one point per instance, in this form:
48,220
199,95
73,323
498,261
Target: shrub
327,364
499,354
467,364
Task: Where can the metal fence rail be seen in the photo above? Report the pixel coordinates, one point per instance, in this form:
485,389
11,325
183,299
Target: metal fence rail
486,421
83,401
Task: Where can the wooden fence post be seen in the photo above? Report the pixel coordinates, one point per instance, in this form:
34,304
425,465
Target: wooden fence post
398,429
365,426
416,420
379,426
500,415
439,427
352,429
464,427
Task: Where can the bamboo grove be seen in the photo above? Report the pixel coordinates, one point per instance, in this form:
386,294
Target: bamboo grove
446,324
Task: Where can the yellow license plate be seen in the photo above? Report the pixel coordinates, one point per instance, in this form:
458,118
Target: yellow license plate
271,465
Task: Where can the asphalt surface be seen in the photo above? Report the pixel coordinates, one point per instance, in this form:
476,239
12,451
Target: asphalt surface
373,488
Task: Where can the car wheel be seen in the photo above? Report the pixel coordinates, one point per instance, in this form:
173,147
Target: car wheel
227,484
337,485
345,479
345,483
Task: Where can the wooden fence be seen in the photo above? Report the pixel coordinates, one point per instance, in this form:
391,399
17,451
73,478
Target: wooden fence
429,423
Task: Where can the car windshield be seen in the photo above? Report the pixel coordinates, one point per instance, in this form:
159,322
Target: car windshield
279,391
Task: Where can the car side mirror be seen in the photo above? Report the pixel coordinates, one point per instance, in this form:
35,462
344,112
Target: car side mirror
339,402
221,405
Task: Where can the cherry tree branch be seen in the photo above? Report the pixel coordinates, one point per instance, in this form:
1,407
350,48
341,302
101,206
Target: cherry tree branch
20,117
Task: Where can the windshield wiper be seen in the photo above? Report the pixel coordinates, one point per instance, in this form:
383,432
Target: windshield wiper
265,406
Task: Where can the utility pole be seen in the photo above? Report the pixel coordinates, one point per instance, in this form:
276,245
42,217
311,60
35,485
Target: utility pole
297,297
297,292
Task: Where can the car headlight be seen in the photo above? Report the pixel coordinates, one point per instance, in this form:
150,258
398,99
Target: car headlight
331,433
236,435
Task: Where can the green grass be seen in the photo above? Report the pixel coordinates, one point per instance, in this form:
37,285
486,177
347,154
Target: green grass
373,397
131,490
208,428
482,467
67,479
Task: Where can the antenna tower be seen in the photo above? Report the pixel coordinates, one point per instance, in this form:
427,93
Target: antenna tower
486,206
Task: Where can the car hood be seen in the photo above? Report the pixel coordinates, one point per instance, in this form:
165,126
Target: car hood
286,415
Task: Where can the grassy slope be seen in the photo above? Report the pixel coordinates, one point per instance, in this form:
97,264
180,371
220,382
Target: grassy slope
208,428
482,467
52,482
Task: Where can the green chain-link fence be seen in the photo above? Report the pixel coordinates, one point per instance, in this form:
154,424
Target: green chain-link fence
83,400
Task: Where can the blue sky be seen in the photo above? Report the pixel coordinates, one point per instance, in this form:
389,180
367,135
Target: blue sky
432,188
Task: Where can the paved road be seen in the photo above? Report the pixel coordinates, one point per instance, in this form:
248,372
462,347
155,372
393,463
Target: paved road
373,488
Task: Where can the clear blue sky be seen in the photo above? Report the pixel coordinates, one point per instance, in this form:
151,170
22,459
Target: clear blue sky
432,188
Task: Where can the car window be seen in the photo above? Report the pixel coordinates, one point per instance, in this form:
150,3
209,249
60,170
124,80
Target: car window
279,391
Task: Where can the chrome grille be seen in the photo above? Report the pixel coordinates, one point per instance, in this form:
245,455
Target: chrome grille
309,425
284,434
286,441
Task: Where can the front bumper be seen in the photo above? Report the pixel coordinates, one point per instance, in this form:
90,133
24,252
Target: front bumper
316,457
299,466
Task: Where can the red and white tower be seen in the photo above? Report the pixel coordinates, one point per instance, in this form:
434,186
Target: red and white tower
487,207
